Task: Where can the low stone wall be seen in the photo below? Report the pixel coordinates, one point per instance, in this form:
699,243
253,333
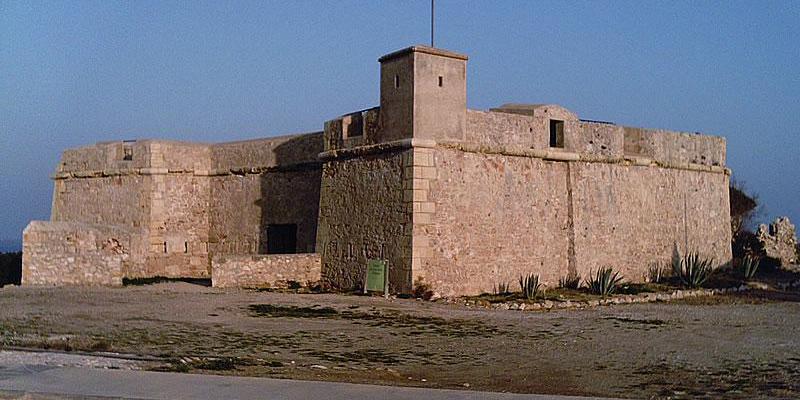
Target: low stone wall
264,270
69,253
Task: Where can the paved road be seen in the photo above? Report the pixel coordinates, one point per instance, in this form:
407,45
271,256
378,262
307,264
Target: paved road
72,382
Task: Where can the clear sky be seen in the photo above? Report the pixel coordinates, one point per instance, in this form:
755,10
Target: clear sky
74,73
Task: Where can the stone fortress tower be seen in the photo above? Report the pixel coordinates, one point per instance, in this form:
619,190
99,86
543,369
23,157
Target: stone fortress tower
453,198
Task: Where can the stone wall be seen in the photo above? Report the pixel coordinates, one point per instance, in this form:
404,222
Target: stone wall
243,206
497,129
189,200
495,217
504,129
179,226
106,156
269,152
112,200
179,156
69,253
364,215
675,147
629,217
273,270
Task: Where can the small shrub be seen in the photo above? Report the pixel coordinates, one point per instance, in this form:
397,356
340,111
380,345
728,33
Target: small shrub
692,270
657,272
422,289
749,266
571,281
604,282
530,286
502,288
293,285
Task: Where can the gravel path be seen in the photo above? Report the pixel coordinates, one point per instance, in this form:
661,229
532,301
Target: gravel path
732,346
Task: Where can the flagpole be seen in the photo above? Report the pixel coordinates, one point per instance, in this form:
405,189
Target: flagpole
432,19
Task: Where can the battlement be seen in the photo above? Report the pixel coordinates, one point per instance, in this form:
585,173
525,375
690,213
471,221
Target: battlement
423,98
539,129
131,156
554,128
148,157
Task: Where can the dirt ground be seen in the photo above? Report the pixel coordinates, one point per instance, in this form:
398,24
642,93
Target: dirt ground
731,346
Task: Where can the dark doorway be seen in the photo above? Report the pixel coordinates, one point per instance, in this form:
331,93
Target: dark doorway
556,133
281,238
10,268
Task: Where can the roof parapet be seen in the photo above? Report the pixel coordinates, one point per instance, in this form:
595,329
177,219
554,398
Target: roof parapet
423,49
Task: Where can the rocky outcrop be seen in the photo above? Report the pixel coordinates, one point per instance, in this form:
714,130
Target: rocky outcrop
779,241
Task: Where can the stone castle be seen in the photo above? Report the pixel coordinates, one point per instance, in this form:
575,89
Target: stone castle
455,199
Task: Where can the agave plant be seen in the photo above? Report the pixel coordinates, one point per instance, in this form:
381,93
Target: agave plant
604,282
692,270
502,288
571,281
749,266
530,286
657,272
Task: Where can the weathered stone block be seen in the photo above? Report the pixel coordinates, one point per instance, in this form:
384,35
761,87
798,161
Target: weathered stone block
779,241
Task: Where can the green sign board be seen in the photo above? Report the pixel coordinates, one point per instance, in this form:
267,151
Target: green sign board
377,276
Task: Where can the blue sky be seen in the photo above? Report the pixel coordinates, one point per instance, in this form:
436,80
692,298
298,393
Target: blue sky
73,73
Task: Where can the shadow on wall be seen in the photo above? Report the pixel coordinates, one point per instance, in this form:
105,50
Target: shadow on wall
10,268
290,197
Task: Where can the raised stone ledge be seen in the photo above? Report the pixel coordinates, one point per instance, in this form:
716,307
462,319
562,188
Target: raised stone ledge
265,270
516,151
560,155
396,145
165,171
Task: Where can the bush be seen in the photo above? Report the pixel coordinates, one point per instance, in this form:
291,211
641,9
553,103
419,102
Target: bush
571,281
692,270
530,286
10,268
604,282
422,289
748,266
744,207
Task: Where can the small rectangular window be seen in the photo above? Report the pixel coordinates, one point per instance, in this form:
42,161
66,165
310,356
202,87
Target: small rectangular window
441,81
556,133
127,153
282,239
397,81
